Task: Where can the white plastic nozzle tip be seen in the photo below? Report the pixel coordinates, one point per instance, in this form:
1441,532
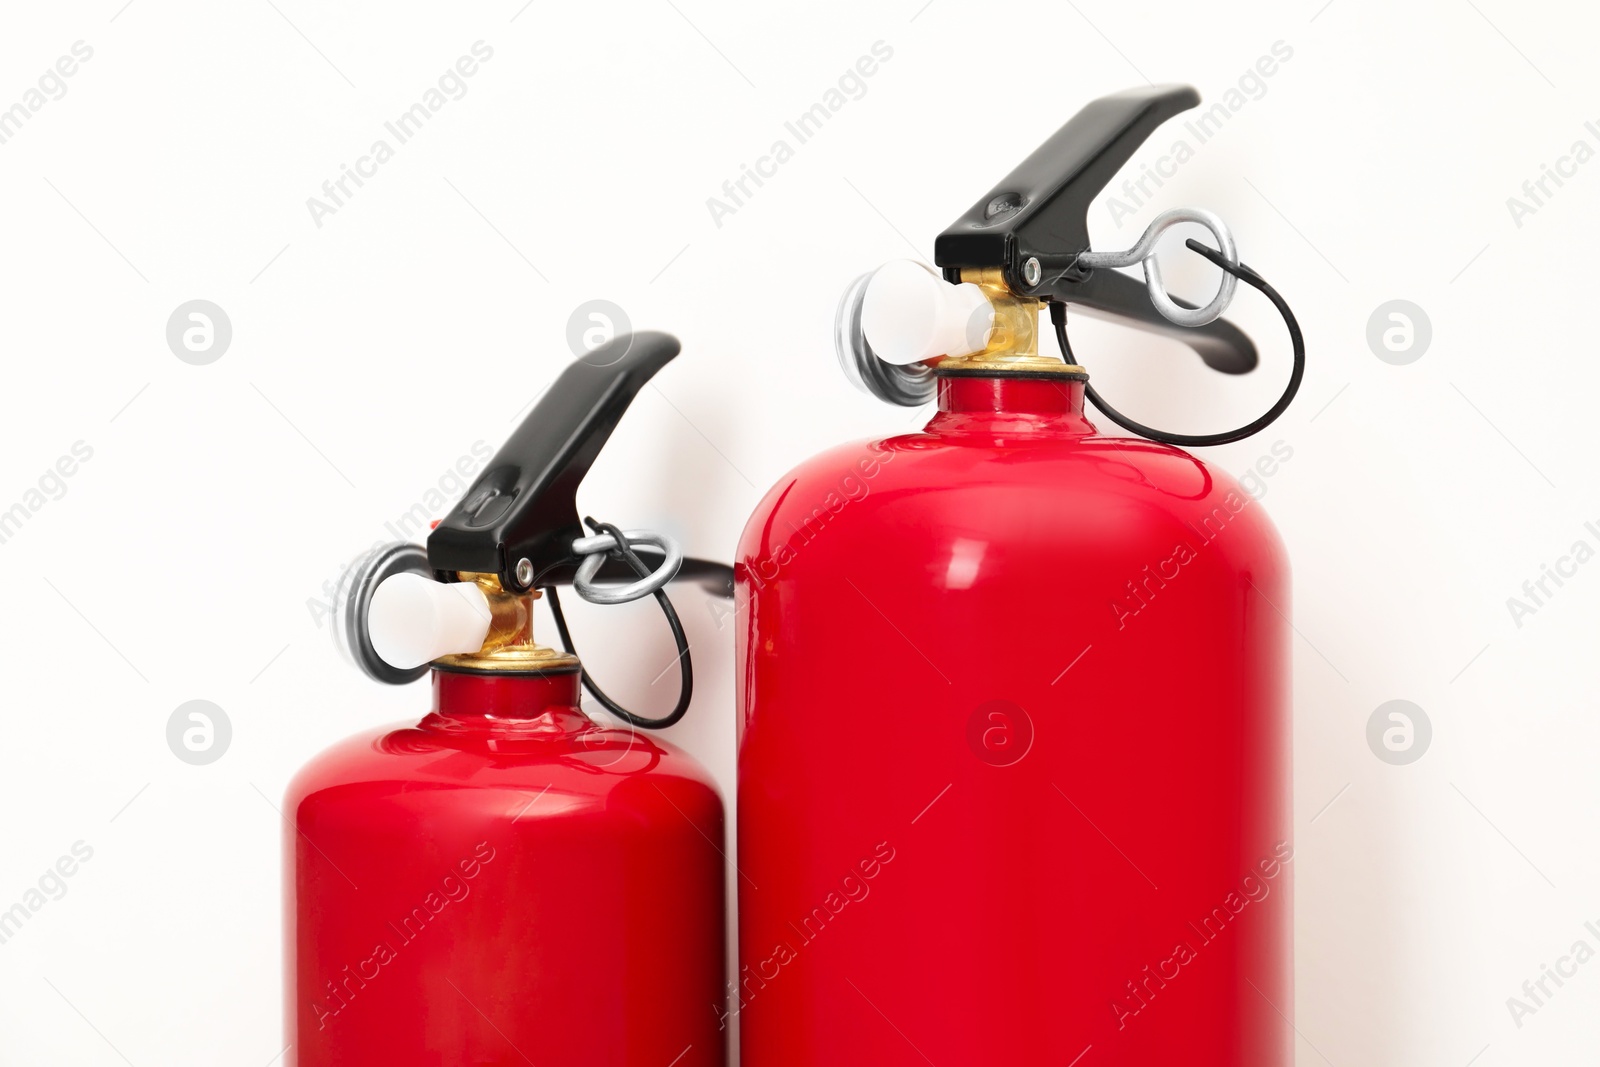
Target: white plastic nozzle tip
909,314
414,620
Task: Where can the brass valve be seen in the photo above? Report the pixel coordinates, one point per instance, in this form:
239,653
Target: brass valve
509,644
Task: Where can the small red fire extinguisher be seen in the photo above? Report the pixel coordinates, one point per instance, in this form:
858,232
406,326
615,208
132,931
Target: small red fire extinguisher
508,881
1013,693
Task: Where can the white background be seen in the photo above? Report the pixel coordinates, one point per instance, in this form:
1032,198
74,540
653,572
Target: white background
372,352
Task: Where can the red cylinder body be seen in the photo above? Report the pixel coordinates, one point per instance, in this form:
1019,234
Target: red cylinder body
504,883
1014,751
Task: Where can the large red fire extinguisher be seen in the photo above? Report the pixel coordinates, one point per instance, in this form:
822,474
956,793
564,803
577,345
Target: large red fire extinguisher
508,881
1013,697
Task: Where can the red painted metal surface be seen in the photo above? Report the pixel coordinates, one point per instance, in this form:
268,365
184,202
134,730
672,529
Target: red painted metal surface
504,883
1014,751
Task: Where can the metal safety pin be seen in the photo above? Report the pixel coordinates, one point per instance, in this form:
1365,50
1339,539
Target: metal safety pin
1144,251
594,549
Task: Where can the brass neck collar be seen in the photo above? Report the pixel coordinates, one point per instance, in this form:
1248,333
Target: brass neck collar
1014,340
509,645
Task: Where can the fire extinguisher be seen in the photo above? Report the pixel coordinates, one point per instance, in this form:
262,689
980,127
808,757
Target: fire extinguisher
1013,781
508,881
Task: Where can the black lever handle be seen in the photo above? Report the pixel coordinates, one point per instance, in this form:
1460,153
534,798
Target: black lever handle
525,504
1040,211
1114,297
714,578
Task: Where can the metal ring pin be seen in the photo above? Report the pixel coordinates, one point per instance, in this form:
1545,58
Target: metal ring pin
594,549
1145,252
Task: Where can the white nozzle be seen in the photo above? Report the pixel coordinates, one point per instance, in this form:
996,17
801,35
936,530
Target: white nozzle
414,620
910,314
